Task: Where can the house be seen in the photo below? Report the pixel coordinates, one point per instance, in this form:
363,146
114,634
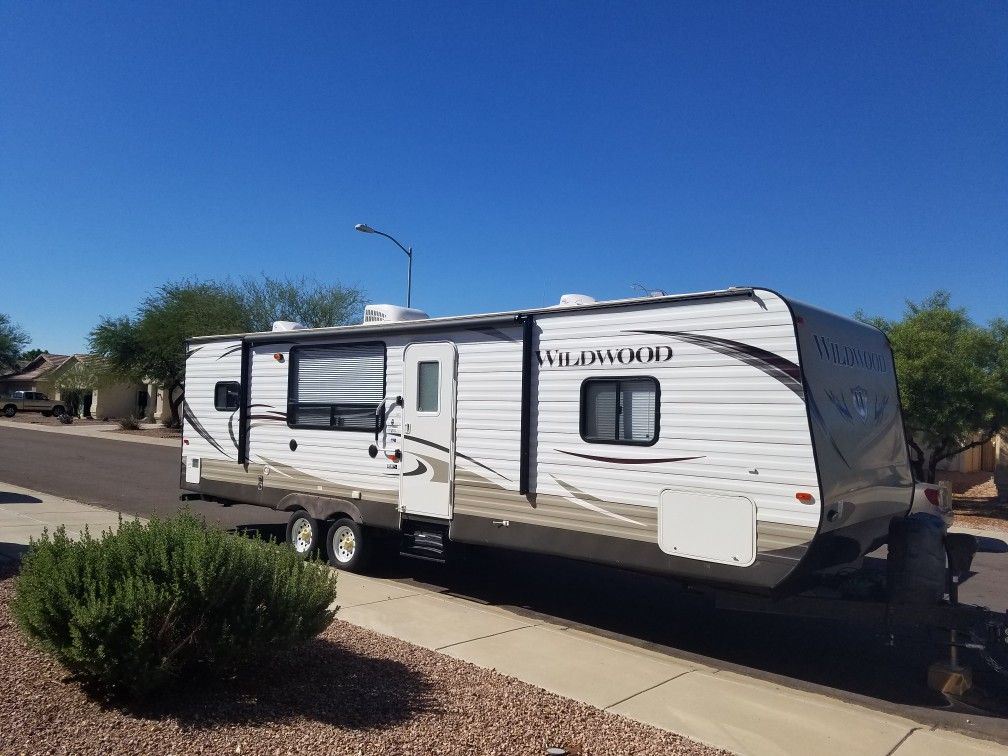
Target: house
47,373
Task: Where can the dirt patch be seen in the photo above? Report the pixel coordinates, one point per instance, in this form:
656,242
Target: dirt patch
37,418
975,501
159,432
350,691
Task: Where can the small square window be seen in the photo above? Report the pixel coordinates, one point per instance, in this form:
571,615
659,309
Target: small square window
620,410
226,395
428,386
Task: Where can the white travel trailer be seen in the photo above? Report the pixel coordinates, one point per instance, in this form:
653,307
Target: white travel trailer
732,438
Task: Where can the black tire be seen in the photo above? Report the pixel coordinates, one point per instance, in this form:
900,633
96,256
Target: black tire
58,411
348,546
304,533
916,562
10,410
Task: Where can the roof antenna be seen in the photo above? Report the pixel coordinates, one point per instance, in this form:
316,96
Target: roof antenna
649,292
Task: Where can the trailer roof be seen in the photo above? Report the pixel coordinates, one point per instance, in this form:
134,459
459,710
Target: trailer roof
486,319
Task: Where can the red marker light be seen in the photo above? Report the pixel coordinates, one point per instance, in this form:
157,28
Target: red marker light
804,497
932,495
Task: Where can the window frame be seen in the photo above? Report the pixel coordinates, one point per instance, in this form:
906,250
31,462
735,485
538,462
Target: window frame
226,408
617,379
292,361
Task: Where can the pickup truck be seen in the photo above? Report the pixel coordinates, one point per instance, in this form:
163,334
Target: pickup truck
30,401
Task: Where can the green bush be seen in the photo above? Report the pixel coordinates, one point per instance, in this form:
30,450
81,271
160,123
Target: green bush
134,610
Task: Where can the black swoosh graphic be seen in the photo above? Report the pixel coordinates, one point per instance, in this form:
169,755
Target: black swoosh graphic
420,470
777,367
231,429
197,426
466,457
232,350
628,461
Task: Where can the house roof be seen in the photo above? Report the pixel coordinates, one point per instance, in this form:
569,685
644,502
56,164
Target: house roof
38,367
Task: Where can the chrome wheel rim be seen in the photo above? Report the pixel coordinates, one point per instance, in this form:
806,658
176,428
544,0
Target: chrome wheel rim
344,544
301,535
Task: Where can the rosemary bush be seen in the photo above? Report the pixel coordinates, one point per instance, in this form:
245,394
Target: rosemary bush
134,610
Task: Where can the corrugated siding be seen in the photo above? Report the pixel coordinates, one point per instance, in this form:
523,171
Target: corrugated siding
210,363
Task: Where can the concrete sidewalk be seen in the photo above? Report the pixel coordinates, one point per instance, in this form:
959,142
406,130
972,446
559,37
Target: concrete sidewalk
722,708
110,431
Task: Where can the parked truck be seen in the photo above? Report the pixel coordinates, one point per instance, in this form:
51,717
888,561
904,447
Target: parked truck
31,401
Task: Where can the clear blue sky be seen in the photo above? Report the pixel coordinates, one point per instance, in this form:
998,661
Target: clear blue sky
851,154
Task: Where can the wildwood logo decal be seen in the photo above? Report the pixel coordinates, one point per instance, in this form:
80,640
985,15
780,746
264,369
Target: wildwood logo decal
587,357
848,356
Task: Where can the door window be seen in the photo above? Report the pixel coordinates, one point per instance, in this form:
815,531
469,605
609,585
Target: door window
428,386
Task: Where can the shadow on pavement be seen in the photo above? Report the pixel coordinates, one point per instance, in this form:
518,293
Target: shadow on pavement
988,545
9,497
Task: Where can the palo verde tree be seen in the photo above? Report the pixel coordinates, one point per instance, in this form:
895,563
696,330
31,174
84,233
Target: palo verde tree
953,379
12,341
151,345
303,300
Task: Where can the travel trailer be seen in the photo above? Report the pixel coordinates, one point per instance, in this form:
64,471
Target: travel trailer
726,438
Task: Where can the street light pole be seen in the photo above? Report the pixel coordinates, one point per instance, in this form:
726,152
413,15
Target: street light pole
366,229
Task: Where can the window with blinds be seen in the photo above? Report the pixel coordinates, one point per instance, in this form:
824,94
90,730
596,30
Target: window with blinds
336,387
620,410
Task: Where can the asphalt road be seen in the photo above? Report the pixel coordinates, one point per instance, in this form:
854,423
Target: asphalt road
850,662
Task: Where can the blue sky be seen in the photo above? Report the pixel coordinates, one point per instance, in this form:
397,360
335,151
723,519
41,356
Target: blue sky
848,154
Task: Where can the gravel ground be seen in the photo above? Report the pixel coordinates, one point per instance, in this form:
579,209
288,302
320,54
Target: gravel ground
975,501
351,691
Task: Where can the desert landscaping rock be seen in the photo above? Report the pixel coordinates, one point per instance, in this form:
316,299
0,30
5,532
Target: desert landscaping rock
351,691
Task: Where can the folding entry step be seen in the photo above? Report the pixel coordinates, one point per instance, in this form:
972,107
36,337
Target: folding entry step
424,540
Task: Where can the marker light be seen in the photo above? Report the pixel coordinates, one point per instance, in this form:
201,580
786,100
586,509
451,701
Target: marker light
278,357
805,497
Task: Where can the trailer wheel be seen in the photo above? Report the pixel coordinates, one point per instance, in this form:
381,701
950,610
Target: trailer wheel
347,545
10,410
916,561
303,533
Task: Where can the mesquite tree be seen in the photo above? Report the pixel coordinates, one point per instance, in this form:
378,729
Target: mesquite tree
953,379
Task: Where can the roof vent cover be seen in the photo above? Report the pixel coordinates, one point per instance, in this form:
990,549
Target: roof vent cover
287,325
386,313
569,300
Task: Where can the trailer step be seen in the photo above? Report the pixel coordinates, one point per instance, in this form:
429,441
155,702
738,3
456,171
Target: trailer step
426,541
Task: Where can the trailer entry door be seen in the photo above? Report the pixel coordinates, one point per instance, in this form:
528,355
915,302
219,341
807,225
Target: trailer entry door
428,444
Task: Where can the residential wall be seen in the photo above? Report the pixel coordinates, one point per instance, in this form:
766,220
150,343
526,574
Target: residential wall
119,400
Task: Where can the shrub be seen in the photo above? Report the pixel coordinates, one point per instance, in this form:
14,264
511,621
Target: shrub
129,423
66,419
133,611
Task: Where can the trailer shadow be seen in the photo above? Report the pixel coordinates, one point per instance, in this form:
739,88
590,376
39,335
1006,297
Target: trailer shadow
655,613
9,497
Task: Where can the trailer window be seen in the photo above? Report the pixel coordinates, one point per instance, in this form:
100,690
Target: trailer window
226,396
620,410
336,387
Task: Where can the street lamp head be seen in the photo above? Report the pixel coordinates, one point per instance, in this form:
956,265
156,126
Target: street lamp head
364,228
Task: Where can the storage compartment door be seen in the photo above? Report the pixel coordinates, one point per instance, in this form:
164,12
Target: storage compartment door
708,527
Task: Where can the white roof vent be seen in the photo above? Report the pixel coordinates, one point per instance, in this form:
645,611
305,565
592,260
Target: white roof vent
386,313
287,325
573,300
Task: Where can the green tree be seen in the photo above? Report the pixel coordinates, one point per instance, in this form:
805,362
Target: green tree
12,341
953,379
304,300
151,345
31,354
